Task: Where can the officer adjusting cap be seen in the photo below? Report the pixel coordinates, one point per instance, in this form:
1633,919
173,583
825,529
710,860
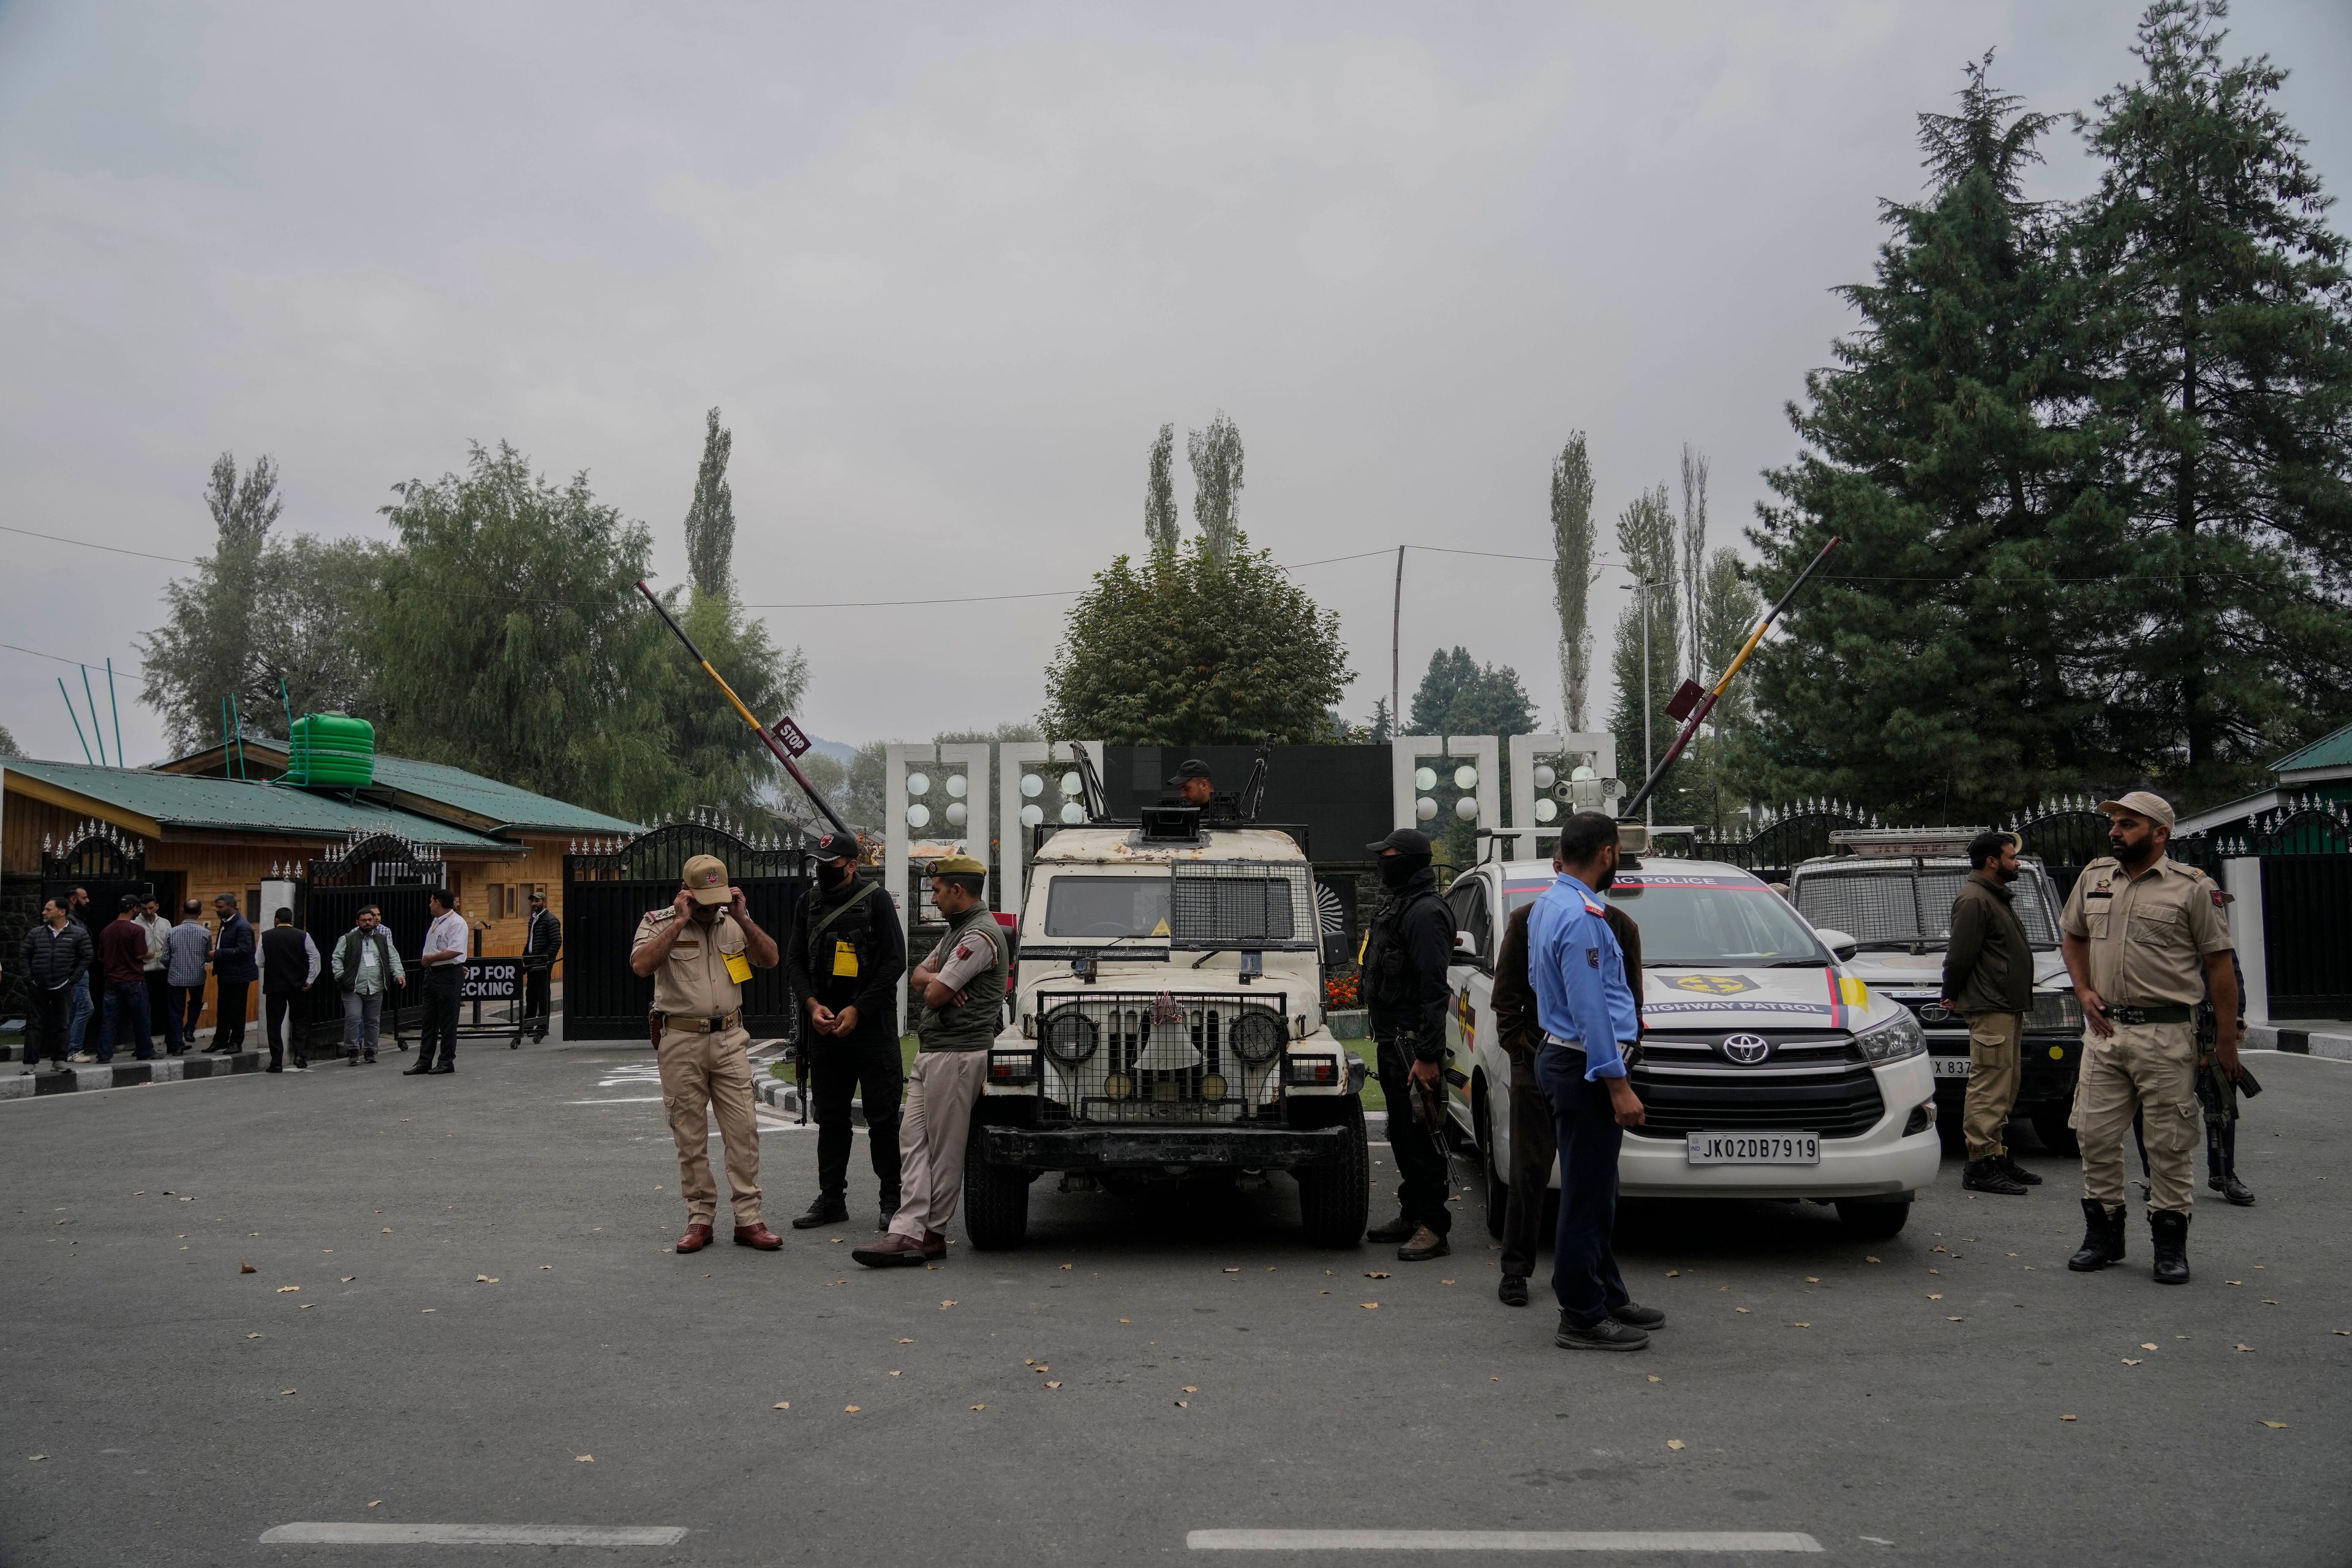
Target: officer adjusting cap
957,865
837,846
1404,841
706,878
1189,768
2141,803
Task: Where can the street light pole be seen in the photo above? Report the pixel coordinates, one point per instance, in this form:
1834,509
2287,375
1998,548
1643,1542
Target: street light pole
1649,811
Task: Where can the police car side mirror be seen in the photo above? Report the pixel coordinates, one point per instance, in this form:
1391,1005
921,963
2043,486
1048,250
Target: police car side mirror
1466,945
1838,942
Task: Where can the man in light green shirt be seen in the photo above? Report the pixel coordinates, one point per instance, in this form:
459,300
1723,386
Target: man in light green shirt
366,965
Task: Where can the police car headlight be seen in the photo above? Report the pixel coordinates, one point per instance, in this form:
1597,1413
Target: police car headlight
1070,1036
1898,1037
2055,1010
1258,1034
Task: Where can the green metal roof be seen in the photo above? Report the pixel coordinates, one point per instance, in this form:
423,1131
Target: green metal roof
236,805
2328,752
503,804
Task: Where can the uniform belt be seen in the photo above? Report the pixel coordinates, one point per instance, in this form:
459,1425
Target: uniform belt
717,1023
2174,1013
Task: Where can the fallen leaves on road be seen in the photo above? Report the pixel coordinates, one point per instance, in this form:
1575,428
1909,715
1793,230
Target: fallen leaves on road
253,1336
387,1230
2233,1283
547,1267
894,1375
1740,1310
2268,1303
2131,1360
1233,1270
2275,1425
1055,1383
1445,1281
849,1410
308,1305
1935,1296
2065,1418
1190,1388
491,1279
584,1458
1370,1306
428,1308
1181,1406
782,1404
945,1305
1867,1258
1067,1267
1127,1320
2148,1345
348,1278
2247,1349
1374,1274
1800,1325
247,1268
285,1391
1673,1273
1677,1444
1813,1278
980,1407
906,1341
1956,1319
378,1503
284,1289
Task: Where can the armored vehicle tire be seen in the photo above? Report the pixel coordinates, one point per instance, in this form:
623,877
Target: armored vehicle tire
1498,1188
1336,1199
2050,1126
1865,1220
995,1200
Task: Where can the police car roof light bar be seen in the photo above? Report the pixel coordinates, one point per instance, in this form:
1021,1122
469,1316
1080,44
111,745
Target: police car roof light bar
1631,810
767,736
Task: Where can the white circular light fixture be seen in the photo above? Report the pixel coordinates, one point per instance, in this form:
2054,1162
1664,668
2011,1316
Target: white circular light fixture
957,814
1546,810
1467,808
1465,777
1544,775
1583,771
1071,785
1073,813
918,784
1032,785
956,786
1425,808
1032,815
918,815
1424,778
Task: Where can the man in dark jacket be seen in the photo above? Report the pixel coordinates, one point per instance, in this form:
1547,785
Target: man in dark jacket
1988,980
290,962
1406,950
54,958
846,957
542,944
122,960
1535,1143
234,969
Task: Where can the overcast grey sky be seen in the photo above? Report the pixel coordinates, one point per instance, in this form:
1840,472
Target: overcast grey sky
947,269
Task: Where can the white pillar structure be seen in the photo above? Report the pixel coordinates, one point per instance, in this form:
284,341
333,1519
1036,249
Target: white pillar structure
1405,754
2241,876
968,760
1017,762
898,836
1485,754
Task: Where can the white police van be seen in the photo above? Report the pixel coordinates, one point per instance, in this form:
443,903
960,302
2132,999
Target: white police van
1767,1069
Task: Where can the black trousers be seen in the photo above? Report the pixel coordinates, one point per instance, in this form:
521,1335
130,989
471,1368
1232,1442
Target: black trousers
1584,1261
228,1012
280,1010
867,1064
159,1007
1425,1182
439,1028
47,1024
1534,1144
535,993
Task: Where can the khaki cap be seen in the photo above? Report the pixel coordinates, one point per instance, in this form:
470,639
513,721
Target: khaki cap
706,878
959,865
2141,803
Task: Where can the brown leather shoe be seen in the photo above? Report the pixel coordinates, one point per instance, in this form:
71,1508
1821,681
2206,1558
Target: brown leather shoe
935,1245
696,1238
892,1251
757,1236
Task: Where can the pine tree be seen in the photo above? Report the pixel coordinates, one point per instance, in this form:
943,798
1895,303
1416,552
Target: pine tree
1727,611
1381,730
1216,457
1159,527
1937,664
710,517
2229,370
1459,696
1646,536
1571,574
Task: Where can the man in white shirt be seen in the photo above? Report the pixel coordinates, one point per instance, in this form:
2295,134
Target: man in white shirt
445,970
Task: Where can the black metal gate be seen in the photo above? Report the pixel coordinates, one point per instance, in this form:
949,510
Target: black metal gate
2065,837
106,863
2307,935
1796,836
606,891
393,875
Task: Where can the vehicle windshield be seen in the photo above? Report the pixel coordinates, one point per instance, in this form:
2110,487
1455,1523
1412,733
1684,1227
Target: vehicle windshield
1698,918
1107,905
1901,906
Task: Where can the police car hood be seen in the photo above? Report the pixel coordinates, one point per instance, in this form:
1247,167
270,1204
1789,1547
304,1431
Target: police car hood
1925,971
1707,997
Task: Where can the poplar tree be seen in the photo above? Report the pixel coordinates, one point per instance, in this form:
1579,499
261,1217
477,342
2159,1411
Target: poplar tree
2227,365
1694,549
1571,574
1160,526
1217,458
1646,536
710,516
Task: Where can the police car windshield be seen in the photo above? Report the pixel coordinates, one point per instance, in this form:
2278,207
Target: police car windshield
1697,920
1107,907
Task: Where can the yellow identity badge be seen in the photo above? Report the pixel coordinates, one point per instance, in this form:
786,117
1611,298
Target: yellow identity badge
739,968
845,960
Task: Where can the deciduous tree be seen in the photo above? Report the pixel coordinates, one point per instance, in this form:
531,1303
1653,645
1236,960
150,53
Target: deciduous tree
1160,525
1216,457
1571,573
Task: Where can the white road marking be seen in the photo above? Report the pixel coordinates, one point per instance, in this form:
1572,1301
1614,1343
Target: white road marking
314,1534
1499,1541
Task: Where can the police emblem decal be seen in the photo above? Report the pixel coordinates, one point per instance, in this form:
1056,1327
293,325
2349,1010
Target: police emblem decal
1746,1049
1712,984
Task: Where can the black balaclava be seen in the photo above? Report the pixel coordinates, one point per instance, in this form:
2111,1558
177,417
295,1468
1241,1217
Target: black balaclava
1396,870
835,874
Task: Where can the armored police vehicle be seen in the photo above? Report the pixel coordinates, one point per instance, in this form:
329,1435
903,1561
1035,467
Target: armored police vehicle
1885,905
1167,1020
1767,1068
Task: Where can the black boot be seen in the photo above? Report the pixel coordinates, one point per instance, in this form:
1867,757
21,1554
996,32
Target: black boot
2234,1190
2168,1228
890,1201
1397,1229
828,1209
2015,1172
1986,1176
2103,1238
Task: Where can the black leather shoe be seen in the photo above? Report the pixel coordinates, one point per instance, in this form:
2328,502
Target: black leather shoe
1425,1245
2169,1230
2103,1238
1608,1334
1397,1229
1986,1176
1634,1316
2235,1191
419,1070
444,1066
827,1210
1512,1290
2015,1172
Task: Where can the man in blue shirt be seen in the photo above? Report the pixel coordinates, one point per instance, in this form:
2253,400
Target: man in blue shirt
1589,1018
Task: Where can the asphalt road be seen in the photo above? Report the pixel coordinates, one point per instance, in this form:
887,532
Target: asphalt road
487,1327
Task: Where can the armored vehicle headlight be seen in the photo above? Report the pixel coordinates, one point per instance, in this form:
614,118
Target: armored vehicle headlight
2055,1010
1070,1036
1258,1034
1213,1087
1898,1037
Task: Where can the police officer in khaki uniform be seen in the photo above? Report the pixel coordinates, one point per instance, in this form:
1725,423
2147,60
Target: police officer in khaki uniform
699,952
2144,937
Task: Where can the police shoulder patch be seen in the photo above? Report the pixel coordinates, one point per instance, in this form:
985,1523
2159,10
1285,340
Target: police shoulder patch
2219,899
1593,957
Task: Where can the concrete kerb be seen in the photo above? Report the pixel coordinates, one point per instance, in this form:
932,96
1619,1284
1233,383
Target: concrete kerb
120,1074
2324,1038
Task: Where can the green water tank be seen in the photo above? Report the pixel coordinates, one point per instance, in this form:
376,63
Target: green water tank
331,751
